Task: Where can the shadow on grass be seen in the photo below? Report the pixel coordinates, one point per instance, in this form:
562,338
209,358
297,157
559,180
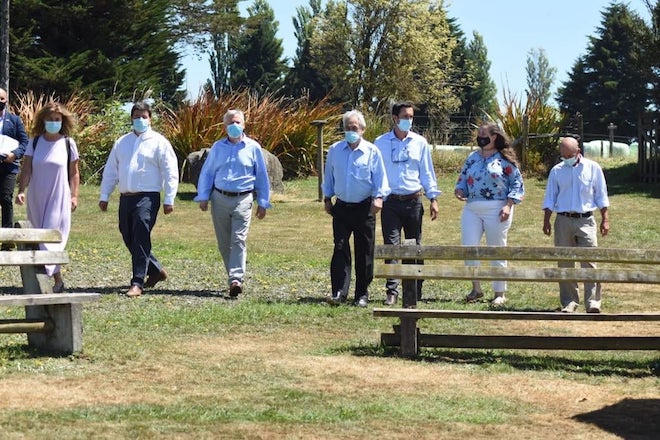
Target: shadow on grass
121,290
186,195
629,418
597,366
625,180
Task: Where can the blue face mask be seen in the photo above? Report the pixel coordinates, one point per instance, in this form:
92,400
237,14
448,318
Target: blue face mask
351,136
569,162
405,124
140,125
234,131
53,127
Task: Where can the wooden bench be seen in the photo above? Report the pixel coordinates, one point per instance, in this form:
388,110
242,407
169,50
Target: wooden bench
53,322
409,338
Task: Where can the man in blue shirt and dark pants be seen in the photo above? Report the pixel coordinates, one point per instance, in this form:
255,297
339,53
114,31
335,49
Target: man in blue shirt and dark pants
409,167
355,174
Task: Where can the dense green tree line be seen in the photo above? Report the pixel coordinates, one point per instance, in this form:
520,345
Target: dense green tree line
362,53
100,48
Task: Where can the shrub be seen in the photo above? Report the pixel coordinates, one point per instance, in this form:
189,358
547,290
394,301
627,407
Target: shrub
94,134
281,125
543,127
98,136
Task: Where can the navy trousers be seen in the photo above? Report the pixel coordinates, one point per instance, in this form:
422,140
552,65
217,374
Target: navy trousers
137,217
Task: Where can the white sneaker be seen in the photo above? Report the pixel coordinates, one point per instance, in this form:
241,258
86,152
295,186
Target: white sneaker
593,307
498,301
571,307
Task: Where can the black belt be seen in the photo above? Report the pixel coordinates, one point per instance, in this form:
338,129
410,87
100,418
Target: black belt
400,197
576,214
146,193
231,194
349,204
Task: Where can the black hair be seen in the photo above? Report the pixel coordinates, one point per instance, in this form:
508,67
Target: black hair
397,106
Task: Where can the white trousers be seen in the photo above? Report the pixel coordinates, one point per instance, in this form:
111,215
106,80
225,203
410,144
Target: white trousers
481,217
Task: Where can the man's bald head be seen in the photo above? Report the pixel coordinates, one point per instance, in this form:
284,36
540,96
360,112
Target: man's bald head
568,147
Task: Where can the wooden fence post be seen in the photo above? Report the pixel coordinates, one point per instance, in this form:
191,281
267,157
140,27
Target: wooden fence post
319,123
525,141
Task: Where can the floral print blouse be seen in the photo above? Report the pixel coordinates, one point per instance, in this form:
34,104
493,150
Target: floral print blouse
492,178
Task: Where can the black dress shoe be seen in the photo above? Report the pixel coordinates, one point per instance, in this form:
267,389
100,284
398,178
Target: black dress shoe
235,289
336,299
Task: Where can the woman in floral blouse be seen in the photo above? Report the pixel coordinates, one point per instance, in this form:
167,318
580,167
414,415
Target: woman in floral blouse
490,182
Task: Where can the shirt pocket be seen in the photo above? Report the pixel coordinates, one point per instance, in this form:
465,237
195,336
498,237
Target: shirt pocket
361,171
146,157
586,183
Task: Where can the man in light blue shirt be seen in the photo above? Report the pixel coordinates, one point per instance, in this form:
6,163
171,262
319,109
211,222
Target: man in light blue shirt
355,175
409,168
576,187
233,170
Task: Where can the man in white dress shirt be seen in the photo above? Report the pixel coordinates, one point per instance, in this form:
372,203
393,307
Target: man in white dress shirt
576,187
142,163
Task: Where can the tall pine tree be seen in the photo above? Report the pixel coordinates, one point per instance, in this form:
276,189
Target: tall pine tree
609,84
258,64
303,78
96,47
480,95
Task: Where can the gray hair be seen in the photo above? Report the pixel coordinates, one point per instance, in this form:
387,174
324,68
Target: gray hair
354,114
231,113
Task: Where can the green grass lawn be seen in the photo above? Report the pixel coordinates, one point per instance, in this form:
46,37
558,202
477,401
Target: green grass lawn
184,362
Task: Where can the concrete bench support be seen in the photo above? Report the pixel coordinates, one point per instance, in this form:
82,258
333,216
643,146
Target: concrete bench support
61,316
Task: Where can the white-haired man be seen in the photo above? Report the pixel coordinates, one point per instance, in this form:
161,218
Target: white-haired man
233,170
355,176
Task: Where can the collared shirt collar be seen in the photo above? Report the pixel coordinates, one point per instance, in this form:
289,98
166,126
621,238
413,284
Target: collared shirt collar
393,135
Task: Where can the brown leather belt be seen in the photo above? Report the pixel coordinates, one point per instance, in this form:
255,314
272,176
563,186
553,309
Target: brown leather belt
416,195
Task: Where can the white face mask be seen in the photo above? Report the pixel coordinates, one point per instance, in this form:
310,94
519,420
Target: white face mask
570,161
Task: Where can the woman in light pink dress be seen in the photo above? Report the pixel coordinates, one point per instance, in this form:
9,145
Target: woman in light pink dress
50,168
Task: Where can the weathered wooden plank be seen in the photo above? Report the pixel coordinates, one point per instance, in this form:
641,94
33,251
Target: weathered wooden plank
506,315
31,235
33,258
487,273
594,254
542,342
409,332
26,325
40,299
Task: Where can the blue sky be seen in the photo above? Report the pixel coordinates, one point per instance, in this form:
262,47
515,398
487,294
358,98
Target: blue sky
510,28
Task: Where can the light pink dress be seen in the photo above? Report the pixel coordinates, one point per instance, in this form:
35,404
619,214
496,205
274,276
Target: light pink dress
49,194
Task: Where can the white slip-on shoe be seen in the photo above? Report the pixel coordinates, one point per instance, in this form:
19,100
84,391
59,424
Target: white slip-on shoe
593,306
498,301
571,307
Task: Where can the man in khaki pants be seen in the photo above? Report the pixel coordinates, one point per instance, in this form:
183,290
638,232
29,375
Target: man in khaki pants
576,187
